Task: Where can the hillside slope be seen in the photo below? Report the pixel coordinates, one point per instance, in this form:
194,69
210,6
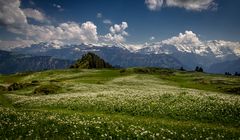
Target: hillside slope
14,62
136,103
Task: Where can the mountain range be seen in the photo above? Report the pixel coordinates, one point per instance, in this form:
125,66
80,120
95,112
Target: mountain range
227,66
204,54
115,55
214,56
11,62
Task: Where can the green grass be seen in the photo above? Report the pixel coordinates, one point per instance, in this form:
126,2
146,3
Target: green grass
4,101
53,124
202,81
135,103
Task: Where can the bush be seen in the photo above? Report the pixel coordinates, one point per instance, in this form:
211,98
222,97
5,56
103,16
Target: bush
233,90
182,69
122,71
35,82
17,86
55,81
152,70
3,88
199,69
144,70
47,89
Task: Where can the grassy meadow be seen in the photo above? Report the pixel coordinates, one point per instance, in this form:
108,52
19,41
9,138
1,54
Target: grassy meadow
134,103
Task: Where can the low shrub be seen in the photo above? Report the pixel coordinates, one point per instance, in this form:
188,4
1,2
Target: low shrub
144,70
122,71
233,90
153,70
35,83
17,86
55,81
46,89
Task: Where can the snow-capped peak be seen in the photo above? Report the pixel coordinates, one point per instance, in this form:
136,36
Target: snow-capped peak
190,43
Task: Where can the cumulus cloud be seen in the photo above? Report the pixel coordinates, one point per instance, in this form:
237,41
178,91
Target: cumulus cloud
7,45
14,18
154,4
11,15
117,34
34,14
184,39
187,42
64,33
70,32
194,5
119,28
16,21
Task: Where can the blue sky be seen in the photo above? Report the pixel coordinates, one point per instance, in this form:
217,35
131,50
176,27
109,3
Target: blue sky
209,19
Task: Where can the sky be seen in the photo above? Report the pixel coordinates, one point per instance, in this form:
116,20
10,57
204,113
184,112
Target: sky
26,22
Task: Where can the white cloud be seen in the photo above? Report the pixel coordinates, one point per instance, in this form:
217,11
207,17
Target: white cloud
184,39
11,15
194,5
107,21
154,4
7,45
99,15
186,42
89,31
117,34
113,39
15,20
65,33
119,28
70,32
35,14
152,38
59,7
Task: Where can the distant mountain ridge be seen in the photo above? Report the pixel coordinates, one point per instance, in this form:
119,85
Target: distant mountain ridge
115,55
228,66
219,49
13,62
205,55
150,55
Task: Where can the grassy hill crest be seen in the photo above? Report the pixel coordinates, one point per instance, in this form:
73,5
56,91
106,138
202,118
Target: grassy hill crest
91,61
